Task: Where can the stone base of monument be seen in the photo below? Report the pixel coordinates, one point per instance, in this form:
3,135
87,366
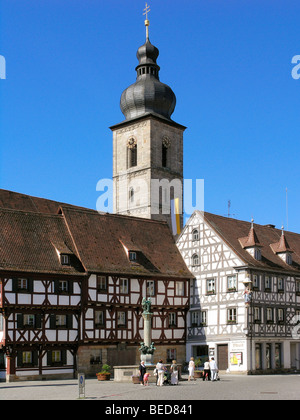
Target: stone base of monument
124,373
148,359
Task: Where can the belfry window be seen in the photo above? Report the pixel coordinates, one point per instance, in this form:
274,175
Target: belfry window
164,156
132,156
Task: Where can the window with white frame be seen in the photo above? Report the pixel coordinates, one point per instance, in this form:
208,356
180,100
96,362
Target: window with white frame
195,318
195,260
61,320
99,318
257,254
56,356
280,315
27,357
257,314
22,284
179,288
65,259
132,256
267,283
280,284
255,281
232,283
211,286
269,315
195,235
124,286
102,283
63,286
28,320
121,319
198,318
150,288
231,316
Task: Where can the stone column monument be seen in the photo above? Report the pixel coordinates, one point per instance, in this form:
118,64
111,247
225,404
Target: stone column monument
147,347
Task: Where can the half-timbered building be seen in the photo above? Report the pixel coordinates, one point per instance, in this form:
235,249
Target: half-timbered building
245,298
71,286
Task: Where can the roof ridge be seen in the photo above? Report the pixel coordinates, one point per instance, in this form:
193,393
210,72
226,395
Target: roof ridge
129,217
37,213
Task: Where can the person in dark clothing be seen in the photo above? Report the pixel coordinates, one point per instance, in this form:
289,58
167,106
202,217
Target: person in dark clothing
142,369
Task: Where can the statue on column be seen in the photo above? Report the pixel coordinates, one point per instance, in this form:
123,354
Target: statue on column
147,347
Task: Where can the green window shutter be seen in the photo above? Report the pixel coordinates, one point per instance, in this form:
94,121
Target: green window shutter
20,322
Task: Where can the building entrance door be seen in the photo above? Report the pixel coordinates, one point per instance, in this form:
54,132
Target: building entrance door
295,356
222,352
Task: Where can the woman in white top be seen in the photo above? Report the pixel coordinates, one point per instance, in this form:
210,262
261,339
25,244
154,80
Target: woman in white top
206,372
160,373
213,369
192,369
174,373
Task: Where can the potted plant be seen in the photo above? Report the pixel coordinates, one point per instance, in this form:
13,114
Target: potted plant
198,372
104,374
135,379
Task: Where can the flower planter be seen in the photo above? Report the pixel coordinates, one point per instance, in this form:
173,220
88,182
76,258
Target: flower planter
135,379
103,376
198,374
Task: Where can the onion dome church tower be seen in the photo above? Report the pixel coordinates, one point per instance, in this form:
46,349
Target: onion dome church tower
148,144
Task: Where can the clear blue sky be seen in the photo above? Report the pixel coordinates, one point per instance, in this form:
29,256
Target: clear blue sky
228,62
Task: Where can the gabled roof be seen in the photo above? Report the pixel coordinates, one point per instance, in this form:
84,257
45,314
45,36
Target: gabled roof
17,201
32,241
100,241
27,243
231,230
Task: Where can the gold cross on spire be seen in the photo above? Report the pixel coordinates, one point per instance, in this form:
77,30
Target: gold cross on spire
147,23
147,10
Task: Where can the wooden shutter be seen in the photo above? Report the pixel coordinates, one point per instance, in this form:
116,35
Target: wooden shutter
52,321
20,321
38,321
70,321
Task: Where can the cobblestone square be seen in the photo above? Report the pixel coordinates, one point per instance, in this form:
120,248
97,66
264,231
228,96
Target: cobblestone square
230,387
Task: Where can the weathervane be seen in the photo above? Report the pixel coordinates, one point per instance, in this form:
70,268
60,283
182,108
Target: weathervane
147,23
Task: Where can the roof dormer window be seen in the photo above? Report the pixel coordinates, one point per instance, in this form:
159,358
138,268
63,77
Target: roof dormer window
282,249
65,259
251,243
132,256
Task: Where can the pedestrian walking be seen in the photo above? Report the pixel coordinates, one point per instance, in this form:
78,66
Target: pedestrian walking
174,373
142,370
206,372
160,373
191,369
213,369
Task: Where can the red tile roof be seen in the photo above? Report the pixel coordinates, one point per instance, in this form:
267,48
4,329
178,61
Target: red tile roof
17,201
251,240
281,246
231,230
100,241
30,239
27,243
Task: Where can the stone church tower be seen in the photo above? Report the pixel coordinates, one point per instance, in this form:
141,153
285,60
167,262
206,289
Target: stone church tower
147,145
